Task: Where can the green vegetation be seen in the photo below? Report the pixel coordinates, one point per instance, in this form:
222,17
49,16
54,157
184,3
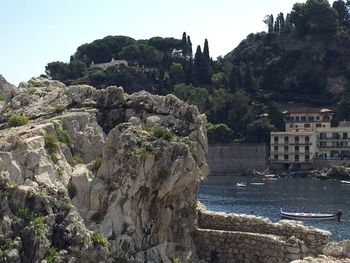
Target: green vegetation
36,221
97,217
60,171
32,90
38,225
17,120
6,243
146,150
98,238
159,132
176,260
97,163
265,72
51,255
59,108
78,158
72,190
53,157
51,141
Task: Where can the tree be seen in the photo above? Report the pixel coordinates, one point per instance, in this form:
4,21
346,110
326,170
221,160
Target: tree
142,54
314,17
206,56
184,45
219,133
193,95
189,43
57,70
343,13
177,72
268,20
259,131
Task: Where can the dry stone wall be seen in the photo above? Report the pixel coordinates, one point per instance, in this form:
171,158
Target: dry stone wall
222,237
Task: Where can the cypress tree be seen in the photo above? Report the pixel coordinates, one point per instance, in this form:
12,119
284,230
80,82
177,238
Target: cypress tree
184,45
206,56
189,45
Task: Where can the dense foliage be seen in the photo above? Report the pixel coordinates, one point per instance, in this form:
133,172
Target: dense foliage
303,58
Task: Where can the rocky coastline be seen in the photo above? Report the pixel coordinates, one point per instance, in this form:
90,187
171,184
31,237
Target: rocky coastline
92,175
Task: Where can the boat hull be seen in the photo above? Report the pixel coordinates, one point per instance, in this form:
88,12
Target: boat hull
309,216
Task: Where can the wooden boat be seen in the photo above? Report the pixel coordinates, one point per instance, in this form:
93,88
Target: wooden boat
310,216
257,183
345,182
241,184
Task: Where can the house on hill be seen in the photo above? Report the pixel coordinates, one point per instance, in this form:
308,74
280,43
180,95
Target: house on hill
308,136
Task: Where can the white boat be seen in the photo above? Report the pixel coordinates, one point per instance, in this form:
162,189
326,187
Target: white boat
310,216
345,182
241,184
257,183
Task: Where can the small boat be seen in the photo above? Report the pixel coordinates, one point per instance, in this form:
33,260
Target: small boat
345,182
270,179
257,183
270,175
241,184
310,216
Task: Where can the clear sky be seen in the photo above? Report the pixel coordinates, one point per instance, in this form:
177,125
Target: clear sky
35,32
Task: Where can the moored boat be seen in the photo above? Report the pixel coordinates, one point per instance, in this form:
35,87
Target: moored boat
310,216
241,184
345,182
257,183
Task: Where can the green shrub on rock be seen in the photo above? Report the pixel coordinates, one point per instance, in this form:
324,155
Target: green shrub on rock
98,238
17,120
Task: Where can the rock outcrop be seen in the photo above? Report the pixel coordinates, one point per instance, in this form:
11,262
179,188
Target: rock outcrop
98,175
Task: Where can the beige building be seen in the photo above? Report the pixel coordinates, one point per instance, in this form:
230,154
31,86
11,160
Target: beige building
296,147
334,142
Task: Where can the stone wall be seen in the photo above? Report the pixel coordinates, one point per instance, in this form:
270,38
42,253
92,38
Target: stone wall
222,237
231,159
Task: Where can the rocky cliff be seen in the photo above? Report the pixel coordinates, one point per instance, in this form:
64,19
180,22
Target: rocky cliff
98,175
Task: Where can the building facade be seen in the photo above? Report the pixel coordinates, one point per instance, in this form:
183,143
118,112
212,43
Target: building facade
297,146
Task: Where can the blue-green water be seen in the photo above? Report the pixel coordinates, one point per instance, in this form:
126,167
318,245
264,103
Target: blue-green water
291,194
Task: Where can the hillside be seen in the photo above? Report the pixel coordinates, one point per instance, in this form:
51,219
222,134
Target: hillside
302,60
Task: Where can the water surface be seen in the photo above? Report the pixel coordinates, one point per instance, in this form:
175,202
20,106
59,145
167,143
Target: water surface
220,193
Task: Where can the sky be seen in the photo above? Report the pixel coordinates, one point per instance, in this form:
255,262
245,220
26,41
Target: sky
36,32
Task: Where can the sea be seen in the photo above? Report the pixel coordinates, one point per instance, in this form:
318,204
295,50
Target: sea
220,193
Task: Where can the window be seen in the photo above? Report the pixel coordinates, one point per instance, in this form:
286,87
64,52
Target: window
296,158
275,148
323,144
311,118
318,125
323,135
335,135
317,118
296,118
303,118
307,139
275,139
307,148
275,157
286,139
296,148
290,125
345,135
286,148
286,157
296,139
307,125
307,157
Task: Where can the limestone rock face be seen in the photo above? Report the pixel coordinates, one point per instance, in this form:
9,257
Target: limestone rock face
98,175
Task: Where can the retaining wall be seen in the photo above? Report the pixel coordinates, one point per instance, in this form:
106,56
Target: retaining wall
222,237
233,159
